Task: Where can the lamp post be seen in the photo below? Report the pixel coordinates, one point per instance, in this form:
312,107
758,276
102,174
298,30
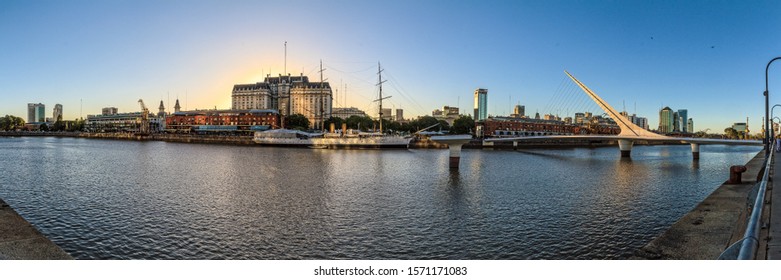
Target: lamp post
770,128
767,111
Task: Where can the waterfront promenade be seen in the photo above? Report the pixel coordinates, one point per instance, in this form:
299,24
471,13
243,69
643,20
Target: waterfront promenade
715,223
720,220
774,228
19,240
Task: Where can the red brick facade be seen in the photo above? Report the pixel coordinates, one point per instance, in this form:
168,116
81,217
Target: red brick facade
495,127
242,120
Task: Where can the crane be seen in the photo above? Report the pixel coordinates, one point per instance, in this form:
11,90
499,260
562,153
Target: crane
144,129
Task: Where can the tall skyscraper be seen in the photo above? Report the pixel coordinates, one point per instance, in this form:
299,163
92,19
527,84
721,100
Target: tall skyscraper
57,112
690,126
399,115
676,122
683,118
666,120
36,112
481,104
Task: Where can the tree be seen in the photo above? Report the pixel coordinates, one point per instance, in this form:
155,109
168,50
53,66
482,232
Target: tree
10,122
443,125
731,133
359,122
297,121
391,126
59,125
77,125
463,125
337,121
423,122
44,127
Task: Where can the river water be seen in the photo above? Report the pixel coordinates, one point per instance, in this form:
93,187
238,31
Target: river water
108,199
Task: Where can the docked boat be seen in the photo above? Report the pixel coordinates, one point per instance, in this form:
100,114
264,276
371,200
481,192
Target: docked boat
285,138
343,139
335,140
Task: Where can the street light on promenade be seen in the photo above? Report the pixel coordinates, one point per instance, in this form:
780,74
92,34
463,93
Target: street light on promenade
767,111
772,134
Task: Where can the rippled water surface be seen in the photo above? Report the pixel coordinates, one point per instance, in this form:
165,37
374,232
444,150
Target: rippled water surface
102,199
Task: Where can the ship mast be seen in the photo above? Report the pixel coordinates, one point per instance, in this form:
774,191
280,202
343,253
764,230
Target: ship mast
322,98
379,83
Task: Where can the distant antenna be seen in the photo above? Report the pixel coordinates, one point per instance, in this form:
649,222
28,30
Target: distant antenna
285,58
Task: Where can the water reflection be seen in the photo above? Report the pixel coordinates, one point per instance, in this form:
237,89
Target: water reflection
153,200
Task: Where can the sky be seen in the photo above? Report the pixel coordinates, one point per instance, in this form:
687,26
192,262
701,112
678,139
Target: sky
707,57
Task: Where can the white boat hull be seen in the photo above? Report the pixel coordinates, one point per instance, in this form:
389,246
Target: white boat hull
373,142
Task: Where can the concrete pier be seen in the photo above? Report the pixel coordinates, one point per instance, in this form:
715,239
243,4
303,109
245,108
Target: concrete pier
707,230
695,151
454,143
626,148
19,240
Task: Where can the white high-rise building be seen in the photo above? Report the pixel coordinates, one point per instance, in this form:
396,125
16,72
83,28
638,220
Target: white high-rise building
36,112
481,104
57,112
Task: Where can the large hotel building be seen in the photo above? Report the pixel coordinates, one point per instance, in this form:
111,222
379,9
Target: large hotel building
287,94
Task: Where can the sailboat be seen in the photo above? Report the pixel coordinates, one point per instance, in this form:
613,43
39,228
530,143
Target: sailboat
346,139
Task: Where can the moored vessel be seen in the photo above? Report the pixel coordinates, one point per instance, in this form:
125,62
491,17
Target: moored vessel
343,139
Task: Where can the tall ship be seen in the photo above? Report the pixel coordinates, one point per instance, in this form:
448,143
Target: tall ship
342,139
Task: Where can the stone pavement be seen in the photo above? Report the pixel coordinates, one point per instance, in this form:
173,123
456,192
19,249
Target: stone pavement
774,230
19,240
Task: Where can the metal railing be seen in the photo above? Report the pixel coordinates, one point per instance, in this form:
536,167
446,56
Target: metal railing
749,244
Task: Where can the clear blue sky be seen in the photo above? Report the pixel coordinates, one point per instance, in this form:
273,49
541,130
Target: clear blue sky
705,56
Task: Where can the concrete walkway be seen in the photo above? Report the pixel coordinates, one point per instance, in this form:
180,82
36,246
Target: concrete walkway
774,230
19,240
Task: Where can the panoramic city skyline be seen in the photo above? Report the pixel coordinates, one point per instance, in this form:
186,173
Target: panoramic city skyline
707,57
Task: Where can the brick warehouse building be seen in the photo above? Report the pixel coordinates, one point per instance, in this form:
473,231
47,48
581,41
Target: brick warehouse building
222,121
511,127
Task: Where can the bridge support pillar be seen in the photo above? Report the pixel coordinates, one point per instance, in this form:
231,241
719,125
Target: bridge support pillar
455,155
626,147
695,151
454,143
515,145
